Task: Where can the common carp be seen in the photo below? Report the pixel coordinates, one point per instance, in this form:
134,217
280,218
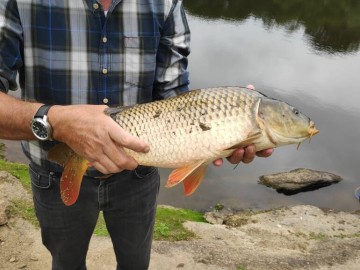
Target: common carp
191,130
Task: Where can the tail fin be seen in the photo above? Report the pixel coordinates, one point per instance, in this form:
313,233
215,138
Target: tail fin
74,169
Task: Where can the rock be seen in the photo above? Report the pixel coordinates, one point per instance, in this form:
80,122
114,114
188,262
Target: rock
214,218
3,216
218,215
12,259
299,180
239,219
22,266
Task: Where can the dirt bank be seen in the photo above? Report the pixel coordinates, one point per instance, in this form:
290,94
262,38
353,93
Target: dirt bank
300,237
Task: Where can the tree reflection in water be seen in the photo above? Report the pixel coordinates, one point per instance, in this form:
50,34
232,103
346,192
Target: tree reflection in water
331,26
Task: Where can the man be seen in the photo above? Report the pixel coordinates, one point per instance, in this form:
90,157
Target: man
101,53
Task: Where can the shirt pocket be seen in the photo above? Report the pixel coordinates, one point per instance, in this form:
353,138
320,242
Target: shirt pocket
140,60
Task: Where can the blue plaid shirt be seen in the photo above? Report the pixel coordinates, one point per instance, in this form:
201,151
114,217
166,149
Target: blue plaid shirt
70,52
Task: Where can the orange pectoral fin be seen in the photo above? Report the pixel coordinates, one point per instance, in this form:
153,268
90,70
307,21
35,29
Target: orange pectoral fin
71,179
190,175
192,182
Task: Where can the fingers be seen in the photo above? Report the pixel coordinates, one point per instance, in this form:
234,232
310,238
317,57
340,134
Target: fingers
265,153
117,160
125,139
219,162
113,157
245,155
250,86
108,166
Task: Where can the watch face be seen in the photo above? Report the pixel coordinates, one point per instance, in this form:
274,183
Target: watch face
40,129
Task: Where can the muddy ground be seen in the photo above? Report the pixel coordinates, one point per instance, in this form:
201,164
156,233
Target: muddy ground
300,237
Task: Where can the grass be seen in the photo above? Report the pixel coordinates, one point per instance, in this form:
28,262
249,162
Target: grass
23,209
317,236
168,223
2,150
18,170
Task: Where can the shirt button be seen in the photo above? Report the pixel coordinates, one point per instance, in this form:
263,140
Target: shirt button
104,39
104,71
106,101
95,5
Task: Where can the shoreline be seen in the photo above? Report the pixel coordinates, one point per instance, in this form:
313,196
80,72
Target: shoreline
284,238
297,237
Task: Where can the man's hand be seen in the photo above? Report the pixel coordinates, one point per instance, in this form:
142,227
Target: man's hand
95,136
246,154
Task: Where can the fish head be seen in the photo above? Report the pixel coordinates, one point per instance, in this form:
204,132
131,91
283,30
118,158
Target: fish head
283,123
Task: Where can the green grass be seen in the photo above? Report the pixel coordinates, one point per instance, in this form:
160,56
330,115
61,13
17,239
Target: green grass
23,209
100,228
168,224
317,236
20,171
2,150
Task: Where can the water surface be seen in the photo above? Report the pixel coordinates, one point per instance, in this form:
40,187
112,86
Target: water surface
305,53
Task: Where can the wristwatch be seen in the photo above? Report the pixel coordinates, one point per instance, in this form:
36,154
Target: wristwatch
40,127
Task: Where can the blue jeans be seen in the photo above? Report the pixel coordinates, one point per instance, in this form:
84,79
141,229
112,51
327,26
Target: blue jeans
128,201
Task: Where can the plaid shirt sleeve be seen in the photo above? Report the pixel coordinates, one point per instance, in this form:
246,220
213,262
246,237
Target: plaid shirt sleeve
11,38
172,77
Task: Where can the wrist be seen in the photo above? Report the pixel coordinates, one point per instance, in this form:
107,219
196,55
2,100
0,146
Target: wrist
40,126
55,117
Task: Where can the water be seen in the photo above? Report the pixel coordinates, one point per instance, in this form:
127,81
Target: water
305,53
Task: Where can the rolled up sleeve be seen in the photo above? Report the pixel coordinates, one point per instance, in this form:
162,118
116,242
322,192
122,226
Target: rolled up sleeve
11,44
172,76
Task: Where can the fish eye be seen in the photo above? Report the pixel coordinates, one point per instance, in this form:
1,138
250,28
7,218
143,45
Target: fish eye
296,111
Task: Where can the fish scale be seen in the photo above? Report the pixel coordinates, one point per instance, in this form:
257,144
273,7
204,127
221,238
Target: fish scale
190,127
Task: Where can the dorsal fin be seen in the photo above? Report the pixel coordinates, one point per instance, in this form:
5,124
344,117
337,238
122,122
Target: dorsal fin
113,111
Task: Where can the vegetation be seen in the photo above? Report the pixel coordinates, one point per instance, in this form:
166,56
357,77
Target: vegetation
2,150
23,209
168,224
18,170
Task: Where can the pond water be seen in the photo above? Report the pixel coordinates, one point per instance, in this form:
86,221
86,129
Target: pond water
305,53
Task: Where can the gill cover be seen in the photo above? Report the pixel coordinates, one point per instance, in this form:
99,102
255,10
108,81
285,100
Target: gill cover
283,123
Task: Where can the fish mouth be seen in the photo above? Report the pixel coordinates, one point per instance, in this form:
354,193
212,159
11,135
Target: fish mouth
312,130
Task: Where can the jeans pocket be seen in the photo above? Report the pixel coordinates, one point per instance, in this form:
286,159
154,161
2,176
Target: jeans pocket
144,171
41,180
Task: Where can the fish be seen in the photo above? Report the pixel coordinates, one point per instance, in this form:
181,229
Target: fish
189,131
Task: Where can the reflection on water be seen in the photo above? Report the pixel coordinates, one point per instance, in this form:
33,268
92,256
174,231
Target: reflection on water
275,45
332,25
